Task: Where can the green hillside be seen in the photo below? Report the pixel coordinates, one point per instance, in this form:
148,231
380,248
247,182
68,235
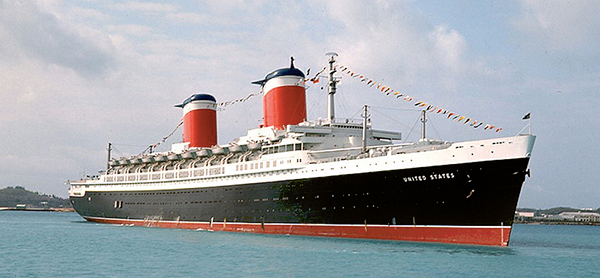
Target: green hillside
11,196
554,211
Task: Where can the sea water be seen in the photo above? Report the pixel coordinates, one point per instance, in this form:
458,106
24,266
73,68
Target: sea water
49,244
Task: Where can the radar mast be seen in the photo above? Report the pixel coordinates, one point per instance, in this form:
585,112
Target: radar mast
331,89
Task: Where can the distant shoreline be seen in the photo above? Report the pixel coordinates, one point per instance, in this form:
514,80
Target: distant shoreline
558,223
38,209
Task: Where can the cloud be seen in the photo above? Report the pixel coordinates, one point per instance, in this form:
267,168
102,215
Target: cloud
194,18
145,7
135,30
570,26
449,47
43,36
392,36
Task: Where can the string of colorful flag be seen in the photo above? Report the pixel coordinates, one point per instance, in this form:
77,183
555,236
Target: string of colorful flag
405,97
164,139
224,104
315,78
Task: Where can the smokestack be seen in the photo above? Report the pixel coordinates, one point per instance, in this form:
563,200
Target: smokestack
200,120
284,97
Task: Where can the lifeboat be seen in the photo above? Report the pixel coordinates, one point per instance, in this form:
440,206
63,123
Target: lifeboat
160,158
148,159
238,148
173,157
135,160
203,153
255,146
189,155
220,150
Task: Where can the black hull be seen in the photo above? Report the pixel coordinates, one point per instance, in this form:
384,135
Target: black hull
473,194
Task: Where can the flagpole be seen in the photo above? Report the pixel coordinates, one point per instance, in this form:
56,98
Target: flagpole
527,117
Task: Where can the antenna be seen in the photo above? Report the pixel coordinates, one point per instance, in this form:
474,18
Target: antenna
364,129
108,160
423,120
331,87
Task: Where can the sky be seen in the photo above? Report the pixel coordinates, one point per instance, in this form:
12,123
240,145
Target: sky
75,75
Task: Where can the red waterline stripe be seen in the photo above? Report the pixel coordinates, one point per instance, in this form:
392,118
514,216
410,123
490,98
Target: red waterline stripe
478,235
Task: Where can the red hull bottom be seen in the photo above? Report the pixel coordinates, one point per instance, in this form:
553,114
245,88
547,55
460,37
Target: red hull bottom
477,235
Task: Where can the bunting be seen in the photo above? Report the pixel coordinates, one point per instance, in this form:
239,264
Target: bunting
164,139
220,105
315,78
422,104
224,104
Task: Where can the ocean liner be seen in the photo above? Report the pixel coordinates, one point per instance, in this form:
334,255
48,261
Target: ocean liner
331,177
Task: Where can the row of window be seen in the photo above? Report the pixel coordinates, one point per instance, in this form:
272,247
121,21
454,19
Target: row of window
283,148
119,205
254,165
194,173
186,165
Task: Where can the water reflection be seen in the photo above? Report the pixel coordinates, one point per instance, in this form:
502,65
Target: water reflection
368,246
441,248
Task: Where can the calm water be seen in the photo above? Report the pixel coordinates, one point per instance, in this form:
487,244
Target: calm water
44,244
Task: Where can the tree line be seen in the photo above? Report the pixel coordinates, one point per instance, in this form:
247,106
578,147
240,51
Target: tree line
11,196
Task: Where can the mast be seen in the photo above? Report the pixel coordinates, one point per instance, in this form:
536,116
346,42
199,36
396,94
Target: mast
364,129
423,120
331,87
108,160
